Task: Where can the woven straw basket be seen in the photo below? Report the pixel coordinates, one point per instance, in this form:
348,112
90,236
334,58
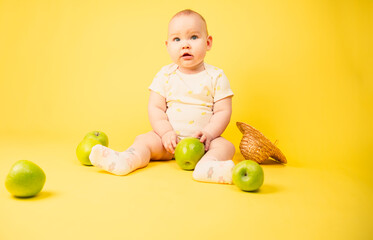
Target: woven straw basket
255,146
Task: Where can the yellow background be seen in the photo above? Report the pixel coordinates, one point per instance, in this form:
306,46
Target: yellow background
301,72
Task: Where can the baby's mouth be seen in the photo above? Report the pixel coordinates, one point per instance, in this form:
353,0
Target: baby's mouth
187,56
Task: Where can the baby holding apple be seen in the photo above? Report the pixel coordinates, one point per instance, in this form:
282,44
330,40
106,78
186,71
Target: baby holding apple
188,98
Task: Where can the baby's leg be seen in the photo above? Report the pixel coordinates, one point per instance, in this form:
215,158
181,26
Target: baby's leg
216,165
145,147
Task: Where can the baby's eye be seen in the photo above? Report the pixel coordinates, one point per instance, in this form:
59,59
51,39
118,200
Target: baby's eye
194,37
176,39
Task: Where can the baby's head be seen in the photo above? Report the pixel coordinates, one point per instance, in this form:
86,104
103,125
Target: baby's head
188,41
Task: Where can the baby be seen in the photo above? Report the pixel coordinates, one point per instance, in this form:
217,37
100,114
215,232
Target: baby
188,98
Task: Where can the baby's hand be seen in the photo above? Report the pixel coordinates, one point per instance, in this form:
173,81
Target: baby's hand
169,141
204,137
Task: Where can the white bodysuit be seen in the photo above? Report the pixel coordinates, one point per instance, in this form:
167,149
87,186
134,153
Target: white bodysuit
190,97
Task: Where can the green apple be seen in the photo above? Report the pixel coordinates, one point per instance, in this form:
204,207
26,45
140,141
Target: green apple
84,149
100,136
248,175
25,179
188,152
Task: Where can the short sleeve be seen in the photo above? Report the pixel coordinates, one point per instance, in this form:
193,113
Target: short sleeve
158,84
222,87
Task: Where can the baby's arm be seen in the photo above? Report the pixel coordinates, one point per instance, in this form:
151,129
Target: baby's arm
219,121
159,121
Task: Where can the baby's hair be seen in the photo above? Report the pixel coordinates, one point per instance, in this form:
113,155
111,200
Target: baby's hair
190,12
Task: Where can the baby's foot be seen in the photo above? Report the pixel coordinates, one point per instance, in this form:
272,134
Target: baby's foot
212,170
118,163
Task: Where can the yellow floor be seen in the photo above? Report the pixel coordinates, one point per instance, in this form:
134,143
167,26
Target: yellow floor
163,202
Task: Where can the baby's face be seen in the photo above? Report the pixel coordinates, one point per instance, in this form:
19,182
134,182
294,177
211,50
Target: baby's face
188,42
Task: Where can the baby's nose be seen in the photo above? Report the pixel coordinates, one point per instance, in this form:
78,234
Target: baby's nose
186,45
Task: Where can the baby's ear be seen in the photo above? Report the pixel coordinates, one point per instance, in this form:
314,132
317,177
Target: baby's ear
209,42
166,42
